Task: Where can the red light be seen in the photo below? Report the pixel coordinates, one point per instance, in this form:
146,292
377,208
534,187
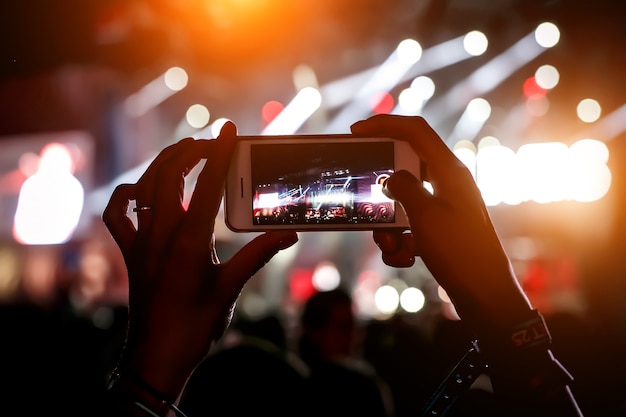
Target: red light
382,103
270,110
532,90
301,285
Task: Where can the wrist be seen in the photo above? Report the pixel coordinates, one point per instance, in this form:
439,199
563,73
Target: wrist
520,361
130,393
163,371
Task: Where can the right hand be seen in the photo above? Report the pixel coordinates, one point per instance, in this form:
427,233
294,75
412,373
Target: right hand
450,229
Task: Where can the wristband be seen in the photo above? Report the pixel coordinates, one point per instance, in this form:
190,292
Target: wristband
529,336
523,353
532,333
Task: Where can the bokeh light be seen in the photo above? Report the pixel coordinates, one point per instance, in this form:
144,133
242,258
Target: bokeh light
547,77
387,299
197,116
588,110
478,109
409,51
547,34
382,103
176,78
475,43
326,277
412,299
216,126
270,110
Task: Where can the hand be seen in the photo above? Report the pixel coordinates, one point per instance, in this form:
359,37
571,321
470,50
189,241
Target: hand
181,298
450,229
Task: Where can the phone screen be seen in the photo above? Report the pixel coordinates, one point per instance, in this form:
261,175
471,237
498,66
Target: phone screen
321,183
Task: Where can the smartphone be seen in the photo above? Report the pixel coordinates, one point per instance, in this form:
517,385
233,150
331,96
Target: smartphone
315,183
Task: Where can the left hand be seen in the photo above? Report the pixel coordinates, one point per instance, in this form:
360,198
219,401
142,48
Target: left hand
181,298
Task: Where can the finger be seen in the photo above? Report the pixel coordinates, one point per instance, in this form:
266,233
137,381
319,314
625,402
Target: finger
169,186
162,188
397,248
399,259
430,148
403,187
147,188
389,241
254,255
207,196
115,217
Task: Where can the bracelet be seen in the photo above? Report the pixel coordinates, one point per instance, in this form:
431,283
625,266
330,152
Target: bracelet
144,386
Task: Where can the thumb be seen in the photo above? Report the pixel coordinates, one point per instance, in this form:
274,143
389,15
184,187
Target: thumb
256,253
406,189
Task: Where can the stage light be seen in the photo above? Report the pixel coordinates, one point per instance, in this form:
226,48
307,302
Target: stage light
475,43
50,202
547,34
547,77
424,85
386,76
326,277
589,176
197,116
411,100
543,166
588,110
412,299
531,89
496,173
386,299
156,91
472,120
382,103
409,51
175,78
270,110
484,79
293,116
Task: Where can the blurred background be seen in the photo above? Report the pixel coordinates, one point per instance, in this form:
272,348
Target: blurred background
531,95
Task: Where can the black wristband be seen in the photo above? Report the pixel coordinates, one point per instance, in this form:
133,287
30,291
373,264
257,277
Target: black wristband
520,359
530,335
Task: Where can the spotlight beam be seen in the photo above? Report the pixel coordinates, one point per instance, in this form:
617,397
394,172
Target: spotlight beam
383,79
484,79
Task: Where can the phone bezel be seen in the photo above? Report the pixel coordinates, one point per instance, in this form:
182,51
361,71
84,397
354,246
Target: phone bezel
238,191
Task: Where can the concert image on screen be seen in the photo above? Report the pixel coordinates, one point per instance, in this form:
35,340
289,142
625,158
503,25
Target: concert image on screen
321,183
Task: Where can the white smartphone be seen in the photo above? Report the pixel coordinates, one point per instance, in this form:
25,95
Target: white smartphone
315,183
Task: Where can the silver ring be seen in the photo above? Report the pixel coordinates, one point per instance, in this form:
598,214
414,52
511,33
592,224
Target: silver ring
142,208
